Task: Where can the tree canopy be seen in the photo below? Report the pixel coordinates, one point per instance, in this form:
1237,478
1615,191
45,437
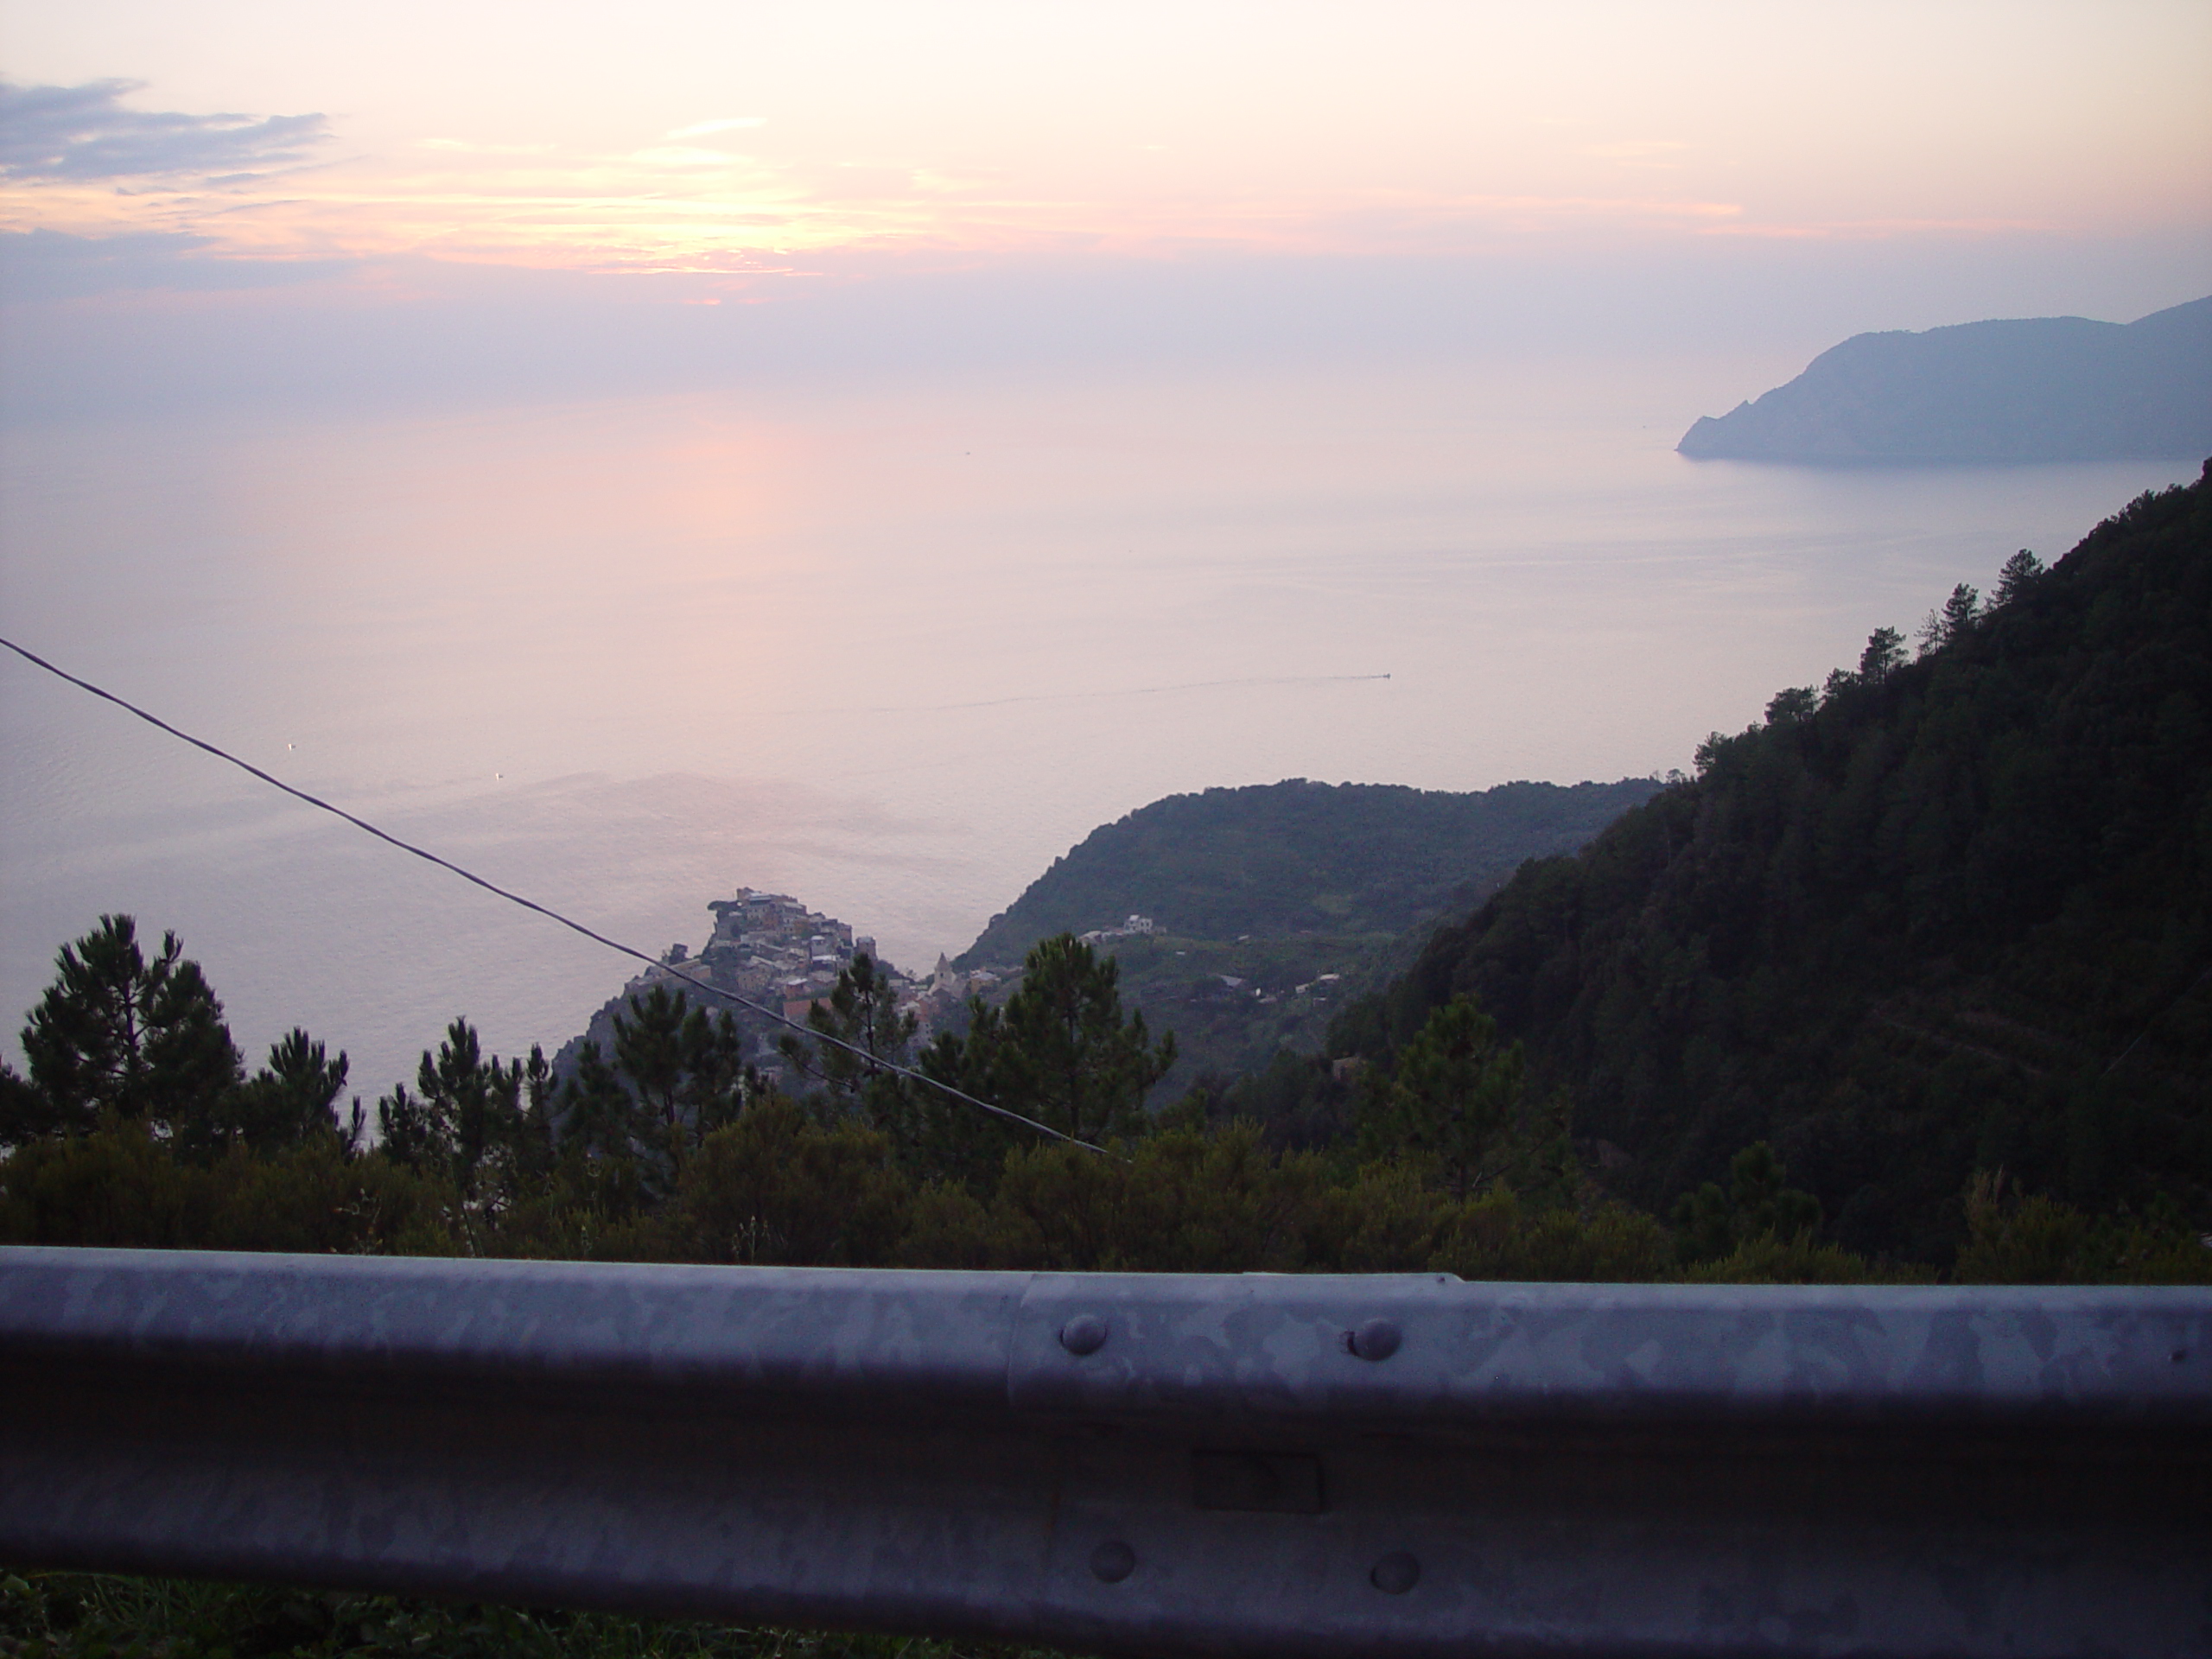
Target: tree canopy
1277,859
119,1036
1949,915
119,1033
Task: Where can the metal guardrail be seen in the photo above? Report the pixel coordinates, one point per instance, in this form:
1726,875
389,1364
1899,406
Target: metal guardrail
1142,1463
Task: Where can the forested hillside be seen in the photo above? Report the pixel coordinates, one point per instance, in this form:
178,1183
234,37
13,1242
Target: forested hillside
1276,902
1276,859
1938,917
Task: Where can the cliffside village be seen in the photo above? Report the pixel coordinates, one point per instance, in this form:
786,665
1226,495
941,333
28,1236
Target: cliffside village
770,948
774,951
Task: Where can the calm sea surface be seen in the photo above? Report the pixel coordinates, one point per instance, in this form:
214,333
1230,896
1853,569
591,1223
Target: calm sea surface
891,651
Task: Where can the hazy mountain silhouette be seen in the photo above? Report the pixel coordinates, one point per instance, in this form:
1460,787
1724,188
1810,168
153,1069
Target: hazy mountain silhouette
2036,389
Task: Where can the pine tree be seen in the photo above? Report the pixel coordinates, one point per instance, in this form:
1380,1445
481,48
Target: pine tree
1884,654
288,1103
116,1033
467,1120
1952,622
1456,1099
684,1067
2020,573
1068,1054
1061,1050
860,1013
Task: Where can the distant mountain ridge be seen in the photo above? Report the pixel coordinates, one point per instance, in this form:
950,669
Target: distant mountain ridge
1281,858
1274,903
2033,389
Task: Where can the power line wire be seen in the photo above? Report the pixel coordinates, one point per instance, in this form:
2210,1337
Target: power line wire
2153,1026
874,1061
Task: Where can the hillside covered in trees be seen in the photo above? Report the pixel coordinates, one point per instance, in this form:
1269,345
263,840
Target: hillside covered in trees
1273,904
139,1126
1277,860
2026,389
1938,917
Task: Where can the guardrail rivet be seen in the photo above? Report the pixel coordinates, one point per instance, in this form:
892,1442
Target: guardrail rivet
1083,1334
1114,1560
1395,1573
1377,1340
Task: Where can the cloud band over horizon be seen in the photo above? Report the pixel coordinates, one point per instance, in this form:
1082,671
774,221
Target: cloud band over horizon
686,138
84,134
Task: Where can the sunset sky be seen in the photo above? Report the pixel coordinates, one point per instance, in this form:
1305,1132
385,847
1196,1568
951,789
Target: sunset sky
742,139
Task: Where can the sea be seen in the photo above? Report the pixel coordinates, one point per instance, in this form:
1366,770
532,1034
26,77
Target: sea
891,648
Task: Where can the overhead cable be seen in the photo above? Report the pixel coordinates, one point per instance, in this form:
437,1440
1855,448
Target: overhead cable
874,1061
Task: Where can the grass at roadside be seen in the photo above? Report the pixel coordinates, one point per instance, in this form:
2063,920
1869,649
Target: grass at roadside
101,1616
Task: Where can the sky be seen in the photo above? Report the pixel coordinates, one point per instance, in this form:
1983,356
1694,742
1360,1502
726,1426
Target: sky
743,138
1326,174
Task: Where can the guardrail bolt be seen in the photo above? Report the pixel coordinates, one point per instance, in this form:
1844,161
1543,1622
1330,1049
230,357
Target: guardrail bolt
1395,1573
1114,1560
1083,1334
1377,1340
